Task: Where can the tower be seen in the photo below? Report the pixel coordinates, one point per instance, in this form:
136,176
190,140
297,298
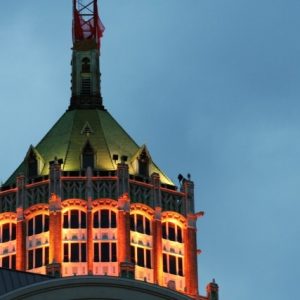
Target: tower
87,33
88,201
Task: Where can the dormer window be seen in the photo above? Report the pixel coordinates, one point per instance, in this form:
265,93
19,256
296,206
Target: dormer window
143,162
88,156
85,65
32,165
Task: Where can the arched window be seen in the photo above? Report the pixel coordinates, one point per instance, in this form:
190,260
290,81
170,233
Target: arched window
32,165
38,224
143,161
8,232
85,65
105,218
172,232
88,156
140,224
74,219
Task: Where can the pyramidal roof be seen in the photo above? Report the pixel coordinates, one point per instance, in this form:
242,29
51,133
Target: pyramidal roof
73,131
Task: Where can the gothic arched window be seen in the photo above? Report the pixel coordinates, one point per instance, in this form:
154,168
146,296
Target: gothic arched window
38,224
74,219
105,218
85,65
140,224
172,232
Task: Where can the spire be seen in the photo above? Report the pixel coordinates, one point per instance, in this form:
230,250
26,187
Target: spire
87,33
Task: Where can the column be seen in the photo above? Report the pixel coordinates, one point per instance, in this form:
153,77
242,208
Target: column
124,259
21,226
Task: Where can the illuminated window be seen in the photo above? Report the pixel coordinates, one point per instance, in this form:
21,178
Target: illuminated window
141,256
172,232
88,156
140,224
74,219
8,262
105,252
37,224
85,65
38,257
105,219
172,264
8,232
74,252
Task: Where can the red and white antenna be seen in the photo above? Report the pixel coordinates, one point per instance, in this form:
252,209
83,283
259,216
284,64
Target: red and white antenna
86,21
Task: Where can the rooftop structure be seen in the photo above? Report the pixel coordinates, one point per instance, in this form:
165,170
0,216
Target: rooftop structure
88,201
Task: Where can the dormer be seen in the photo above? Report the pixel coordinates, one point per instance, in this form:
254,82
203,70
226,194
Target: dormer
34,163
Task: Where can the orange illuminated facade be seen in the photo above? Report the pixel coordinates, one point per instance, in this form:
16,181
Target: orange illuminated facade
100,206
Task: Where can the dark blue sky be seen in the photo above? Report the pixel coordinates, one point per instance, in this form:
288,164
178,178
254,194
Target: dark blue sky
212,87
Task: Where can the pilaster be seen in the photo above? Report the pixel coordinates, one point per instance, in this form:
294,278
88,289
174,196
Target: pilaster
190,256
157,247
55,219
21,226
188,189
124,229
89,196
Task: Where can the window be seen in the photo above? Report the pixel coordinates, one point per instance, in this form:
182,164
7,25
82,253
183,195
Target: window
85,86
38,257
105,252
141,256
105,219
7,232
37,225
74,219
88,156
9,262
172,264
85,66
172,232
74,252
140,224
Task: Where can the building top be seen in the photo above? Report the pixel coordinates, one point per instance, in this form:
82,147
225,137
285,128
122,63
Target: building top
87,135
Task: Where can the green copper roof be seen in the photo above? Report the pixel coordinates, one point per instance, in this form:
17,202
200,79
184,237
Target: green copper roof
67,138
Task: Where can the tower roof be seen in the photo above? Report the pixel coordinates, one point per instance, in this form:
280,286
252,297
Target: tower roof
77,128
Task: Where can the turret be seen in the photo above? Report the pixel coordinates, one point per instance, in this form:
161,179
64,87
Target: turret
87,32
